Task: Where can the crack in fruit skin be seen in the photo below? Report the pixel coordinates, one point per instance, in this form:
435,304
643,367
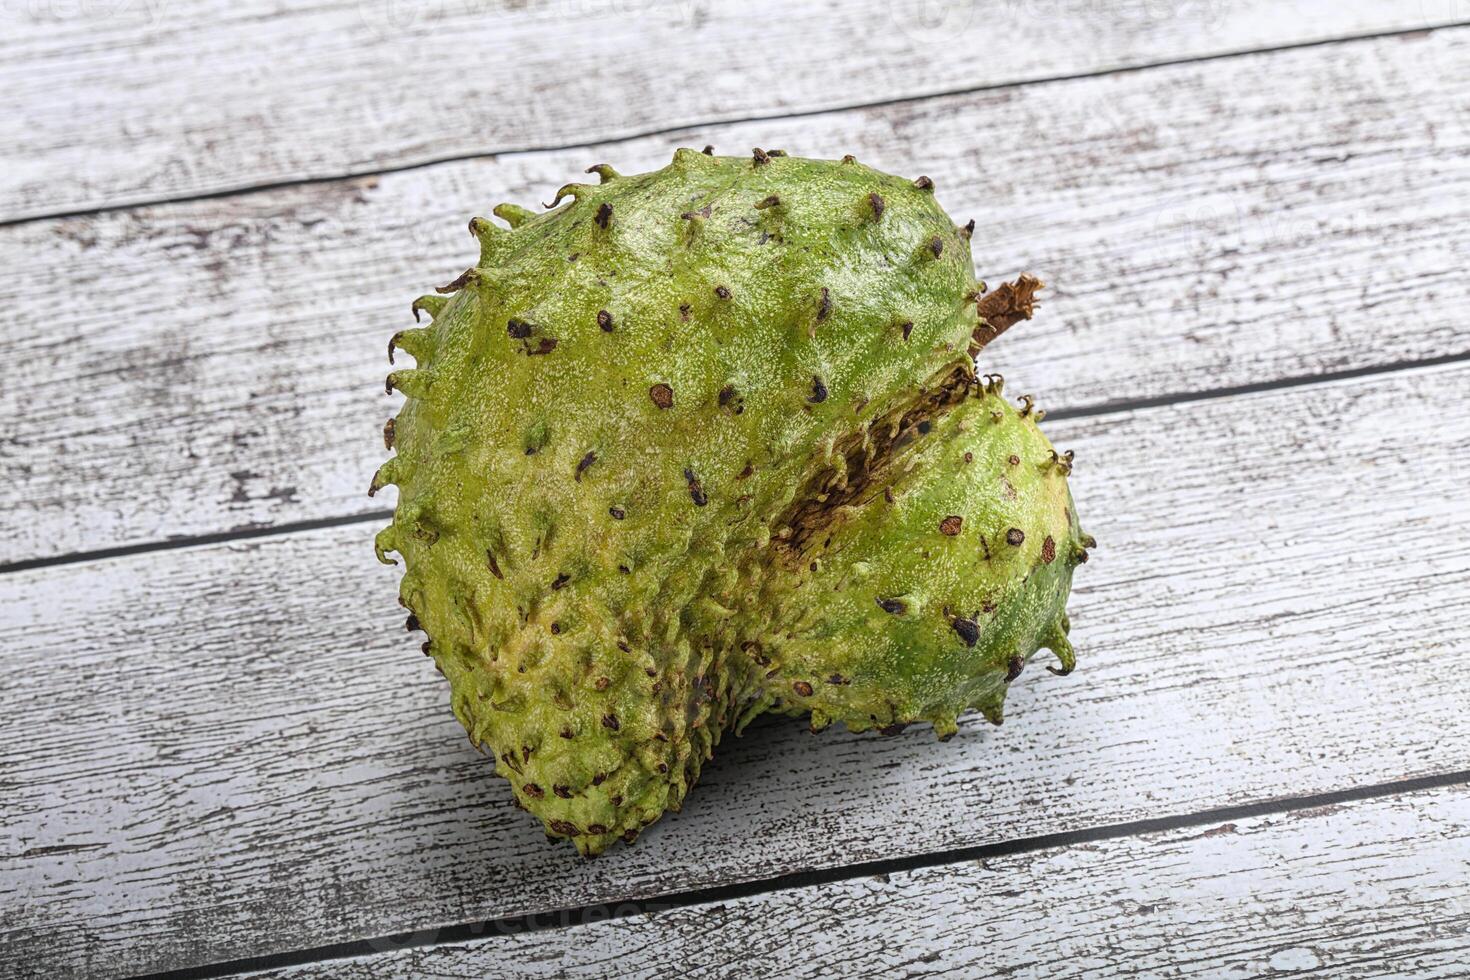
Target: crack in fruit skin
707,442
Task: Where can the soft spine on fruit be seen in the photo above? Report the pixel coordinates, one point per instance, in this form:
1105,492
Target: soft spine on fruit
708,442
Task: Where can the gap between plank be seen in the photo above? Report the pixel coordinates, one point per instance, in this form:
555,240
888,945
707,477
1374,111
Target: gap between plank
552,921
195,540
274,185
1085,411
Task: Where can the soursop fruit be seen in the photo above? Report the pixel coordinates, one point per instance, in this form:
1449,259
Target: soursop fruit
707,442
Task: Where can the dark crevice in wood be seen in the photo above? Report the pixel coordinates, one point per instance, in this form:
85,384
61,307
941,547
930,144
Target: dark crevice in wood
195,540
1118,406
556,919
1233,391
346,175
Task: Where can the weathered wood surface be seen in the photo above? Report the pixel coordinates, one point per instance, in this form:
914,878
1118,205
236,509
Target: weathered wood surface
123,101
232,750
1370,889
218,364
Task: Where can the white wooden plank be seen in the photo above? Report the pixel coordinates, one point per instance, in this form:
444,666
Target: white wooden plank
233,750
1371,889
219,364
130,100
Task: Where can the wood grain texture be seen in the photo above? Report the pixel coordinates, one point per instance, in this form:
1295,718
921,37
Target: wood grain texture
1371,889
233,750
122,101
219,364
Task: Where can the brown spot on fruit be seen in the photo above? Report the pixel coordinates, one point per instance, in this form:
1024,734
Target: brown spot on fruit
604,215
1014,460
894,607
610,722
924,184
951,525
564,828
562,791
662,395
1015,537
876,203
802,688
723,292
1048,550
696,492
602,683
518,329
617,513
605,321
596,828
533,791
1014,666
968,631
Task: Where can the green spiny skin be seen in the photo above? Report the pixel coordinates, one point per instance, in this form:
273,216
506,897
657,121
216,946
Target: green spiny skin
707,442
948,572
